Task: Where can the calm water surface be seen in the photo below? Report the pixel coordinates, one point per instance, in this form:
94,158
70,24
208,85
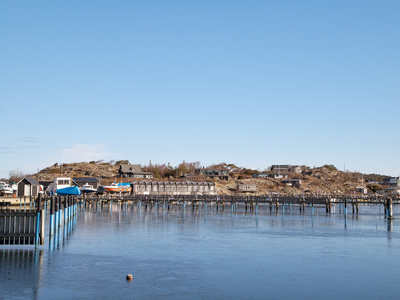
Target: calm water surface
193,254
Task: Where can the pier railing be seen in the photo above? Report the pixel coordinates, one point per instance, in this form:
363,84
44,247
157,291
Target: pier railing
22,227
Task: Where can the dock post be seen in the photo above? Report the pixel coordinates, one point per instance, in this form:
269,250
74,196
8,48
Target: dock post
61,208
42,222
70,213
38,222
56,213
66,210
51,226
345,206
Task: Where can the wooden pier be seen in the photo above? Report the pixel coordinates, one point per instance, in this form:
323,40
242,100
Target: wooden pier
26,226
252,202
19,227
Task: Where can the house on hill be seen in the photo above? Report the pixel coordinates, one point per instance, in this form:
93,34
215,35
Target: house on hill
389,191
269,175
292,182
285,169
134,171
361,190
246,188
391,181
203,174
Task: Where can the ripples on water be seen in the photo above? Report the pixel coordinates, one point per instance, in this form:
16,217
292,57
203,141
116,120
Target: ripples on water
218,254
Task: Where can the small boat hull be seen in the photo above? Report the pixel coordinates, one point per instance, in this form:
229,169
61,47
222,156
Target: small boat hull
86,189
116,188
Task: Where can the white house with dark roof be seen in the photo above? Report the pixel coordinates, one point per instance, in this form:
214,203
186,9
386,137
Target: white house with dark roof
134,171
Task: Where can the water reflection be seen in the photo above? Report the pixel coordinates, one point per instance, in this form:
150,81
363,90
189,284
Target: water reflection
183,251
21,266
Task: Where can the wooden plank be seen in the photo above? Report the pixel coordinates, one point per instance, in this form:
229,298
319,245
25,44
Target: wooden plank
23,229
15,234
16,213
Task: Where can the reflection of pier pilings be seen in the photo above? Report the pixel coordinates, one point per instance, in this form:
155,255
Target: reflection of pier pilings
22,268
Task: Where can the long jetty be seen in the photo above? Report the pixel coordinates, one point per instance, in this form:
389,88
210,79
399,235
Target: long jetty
25,226
251,202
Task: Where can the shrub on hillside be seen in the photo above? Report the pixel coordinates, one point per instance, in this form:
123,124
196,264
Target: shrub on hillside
330,167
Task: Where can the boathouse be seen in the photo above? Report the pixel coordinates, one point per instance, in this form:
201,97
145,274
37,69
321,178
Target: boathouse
172,188
28,187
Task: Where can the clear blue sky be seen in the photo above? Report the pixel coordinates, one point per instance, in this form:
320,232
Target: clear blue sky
254,83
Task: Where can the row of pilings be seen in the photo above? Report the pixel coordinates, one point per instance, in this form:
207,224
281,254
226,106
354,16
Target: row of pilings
63,213
252,202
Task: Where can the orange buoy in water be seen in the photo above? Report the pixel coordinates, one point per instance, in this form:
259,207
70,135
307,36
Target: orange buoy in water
129,277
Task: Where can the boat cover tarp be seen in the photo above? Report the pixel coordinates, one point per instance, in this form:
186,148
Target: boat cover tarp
124,184
72,190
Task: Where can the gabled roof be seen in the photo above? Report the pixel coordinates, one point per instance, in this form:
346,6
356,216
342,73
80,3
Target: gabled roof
130,168
30,180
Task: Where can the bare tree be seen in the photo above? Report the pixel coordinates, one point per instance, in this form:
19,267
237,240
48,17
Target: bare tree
15,176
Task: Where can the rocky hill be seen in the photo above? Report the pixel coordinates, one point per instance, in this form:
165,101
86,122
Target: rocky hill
83,169
324,179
